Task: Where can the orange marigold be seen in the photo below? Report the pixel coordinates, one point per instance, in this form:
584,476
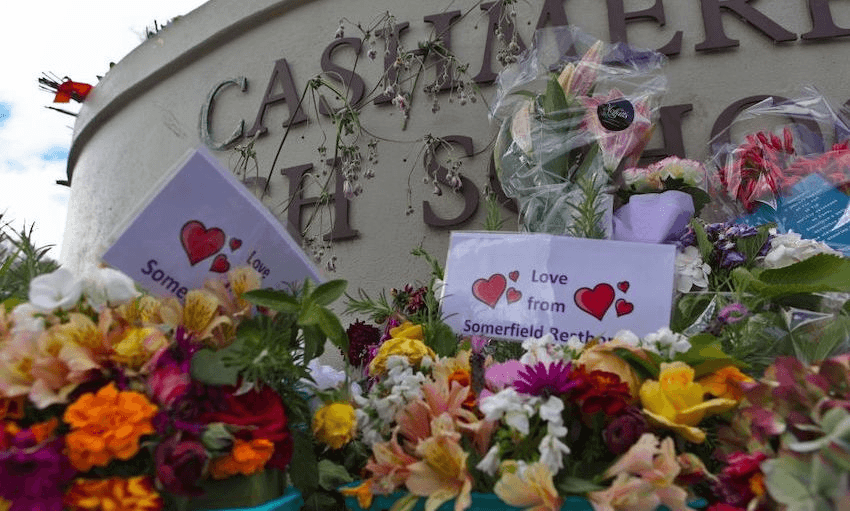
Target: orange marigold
107,425
113,494
246,457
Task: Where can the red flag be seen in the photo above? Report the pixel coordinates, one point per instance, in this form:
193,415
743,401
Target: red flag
69,90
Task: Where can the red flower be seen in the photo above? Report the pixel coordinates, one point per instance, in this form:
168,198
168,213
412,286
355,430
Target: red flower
600,391
262,415
180,465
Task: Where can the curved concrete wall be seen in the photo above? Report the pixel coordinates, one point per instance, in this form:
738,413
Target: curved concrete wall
146,112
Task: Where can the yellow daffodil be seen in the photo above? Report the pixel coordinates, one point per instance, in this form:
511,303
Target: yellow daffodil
677,402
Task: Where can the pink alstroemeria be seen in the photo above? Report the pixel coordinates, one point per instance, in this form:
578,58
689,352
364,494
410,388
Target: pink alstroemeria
442,474
616,146
389,465
644,479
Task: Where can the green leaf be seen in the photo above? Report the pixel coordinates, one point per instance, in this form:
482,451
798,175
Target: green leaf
705,246
554,101
328,292
784,480
310,314
706,355
688,309
577,486
331,327
752,245
274,300
644,368
306,478
525,93
208,366
332,476
818,274
440,338
314,342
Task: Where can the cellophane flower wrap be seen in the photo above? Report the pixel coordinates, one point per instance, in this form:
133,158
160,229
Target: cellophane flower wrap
573,111
780,162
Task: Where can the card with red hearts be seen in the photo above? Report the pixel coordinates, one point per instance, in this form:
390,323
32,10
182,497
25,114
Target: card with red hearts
197,223
515,286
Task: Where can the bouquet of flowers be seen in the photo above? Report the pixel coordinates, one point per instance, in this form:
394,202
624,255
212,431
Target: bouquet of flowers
631,423
658,201
794,176
566,133
114,400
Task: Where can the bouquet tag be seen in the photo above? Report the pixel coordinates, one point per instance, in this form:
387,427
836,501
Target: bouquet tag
616,115
198,223
515,286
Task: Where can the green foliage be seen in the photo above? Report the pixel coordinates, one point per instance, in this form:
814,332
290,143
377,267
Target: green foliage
378,310
20,261
493,221
707,355
818,274
312,316
589,213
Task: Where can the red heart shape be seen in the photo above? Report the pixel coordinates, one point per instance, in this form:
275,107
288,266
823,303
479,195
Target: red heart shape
514,275
623,307
220,264
235,243
623,286
489,290
200,242
596,301
513,295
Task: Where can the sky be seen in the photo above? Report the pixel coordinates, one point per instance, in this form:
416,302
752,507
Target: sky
79,42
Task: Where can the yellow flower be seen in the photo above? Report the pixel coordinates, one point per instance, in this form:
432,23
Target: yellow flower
113,494
242,280
405,341
362,491
5,505
143,310
81,330
532,489
107,425
442,474
137,346
335,424
676,401
725,383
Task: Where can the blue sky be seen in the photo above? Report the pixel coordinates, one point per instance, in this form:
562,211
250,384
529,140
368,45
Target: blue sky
34,141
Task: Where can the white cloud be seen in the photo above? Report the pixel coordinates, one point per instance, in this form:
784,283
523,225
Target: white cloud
77,41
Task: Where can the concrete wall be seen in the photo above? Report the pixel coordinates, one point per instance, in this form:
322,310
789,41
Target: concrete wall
145,113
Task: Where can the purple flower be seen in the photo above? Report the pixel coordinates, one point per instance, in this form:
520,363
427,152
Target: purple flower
361,339
34,478
545,380
732,259
622,433
732,313
180,465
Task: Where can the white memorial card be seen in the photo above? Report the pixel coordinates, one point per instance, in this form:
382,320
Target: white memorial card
515,286
198,223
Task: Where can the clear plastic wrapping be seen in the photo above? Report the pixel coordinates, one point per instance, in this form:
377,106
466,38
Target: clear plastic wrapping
569,123
787,162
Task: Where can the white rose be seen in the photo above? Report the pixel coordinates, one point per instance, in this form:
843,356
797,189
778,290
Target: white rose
787,249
